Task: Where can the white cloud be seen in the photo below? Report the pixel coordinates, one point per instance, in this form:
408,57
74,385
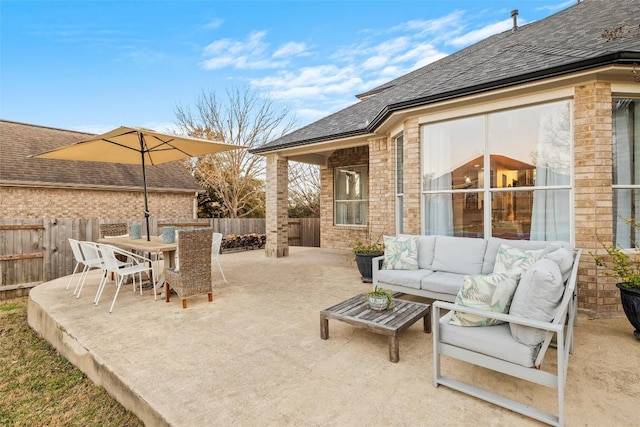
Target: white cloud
482,33
249,53
557,6
290,49
432,26
212,25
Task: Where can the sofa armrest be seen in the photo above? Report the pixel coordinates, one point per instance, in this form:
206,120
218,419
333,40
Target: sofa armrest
376,265
509,318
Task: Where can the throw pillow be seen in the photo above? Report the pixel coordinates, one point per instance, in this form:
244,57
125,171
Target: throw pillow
489,292
510,259
538,295
400,253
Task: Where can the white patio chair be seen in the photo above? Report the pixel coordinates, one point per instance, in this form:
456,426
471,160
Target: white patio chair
78,257
91,259
215,252
136,264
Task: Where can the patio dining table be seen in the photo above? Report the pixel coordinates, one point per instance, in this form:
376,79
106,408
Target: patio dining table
154,245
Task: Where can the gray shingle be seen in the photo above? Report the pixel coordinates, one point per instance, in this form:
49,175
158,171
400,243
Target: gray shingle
562,43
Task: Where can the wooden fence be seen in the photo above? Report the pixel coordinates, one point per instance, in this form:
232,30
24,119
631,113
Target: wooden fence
37,250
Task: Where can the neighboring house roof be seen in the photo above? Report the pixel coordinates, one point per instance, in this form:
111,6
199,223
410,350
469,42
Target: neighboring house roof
19,140
564,43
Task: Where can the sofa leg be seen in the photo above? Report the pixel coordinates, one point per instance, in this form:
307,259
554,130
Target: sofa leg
210,295
184,303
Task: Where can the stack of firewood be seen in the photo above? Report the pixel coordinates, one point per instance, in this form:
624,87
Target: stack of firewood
234,242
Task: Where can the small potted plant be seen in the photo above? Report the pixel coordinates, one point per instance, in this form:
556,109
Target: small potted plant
380,299
624,265
364,253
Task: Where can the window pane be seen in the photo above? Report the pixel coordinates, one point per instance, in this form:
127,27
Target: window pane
626,142
531,146
453,154
626,205
399,217
399,165
550,219
454,214
350,195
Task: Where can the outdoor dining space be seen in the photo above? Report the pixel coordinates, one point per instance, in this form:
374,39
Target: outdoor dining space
255,356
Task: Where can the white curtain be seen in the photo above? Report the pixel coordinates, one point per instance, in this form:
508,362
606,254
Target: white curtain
550,213
439,208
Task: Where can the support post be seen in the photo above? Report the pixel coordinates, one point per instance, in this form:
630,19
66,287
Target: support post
277,193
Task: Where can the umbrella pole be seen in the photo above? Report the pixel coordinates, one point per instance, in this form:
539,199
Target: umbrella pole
144,184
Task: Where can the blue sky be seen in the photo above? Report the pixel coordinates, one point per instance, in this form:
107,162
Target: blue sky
96,65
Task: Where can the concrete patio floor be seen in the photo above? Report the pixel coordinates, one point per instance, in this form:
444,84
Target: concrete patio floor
254,355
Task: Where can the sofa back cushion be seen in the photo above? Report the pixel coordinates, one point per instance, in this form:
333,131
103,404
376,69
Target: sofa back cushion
426,248
463,255
493,244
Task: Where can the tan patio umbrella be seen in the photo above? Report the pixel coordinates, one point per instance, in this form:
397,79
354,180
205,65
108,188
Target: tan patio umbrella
129,145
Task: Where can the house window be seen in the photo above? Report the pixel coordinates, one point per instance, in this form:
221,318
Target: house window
626,171
505,174
399,184
351,189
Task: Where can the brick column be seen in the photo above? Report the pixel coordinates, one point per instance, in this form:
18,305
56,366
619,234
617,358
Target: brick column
412,177
382,192
593,166
277,207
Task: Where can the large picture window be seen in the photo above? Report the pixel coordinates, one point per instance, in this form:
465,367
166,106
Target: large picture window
505,174
626,171
350,195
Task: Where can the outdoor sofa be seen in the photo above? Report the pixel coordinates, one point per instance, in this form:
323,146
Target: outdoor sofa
501,304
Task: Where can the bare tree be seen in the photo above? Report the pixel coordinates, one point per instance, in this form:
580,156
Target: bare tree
304,190
243,118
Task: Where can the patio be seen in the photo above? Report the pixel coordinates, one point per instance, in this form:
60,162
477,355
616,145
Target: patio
254,355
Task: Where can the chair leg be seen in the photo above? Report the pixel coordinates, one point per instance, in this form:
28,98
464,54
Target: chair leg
120,280
73,274
210,295
220,268
184,303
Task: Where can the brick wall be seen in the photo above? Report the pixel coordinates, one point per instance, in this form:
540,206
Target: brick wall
412,177
593,165
19,202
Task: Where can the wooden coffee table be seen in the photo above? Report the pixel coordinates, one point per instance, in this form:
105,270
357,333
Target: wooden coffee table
390,322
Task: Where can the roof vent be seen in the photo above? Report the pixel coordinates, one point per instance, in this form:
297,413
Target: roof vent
514,15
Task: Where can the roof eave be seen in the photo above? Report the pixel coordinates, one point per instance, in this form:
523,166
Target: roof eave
611,59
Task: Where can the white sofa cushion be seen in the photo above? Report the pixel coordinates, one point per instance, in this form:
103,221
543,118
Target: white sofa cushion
463,255
443,282
537,297
408,278
426,249
400,253
489,292
495,341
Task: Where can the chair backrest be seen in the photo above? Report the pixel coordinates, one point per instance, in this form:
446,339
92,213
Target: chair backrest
90,252
108,257
194,247
106,230
215,244
75,248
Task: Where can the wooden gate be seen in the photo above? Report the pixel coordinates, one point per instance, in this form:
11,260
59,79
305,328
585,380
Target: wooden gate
21,253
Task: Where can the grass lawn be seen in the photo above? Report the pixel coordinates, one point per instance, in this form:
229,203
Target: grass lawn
39,387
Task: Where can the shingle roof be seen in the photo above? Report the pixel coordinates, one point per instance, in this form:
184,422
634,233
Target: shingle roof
18,140
568,41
